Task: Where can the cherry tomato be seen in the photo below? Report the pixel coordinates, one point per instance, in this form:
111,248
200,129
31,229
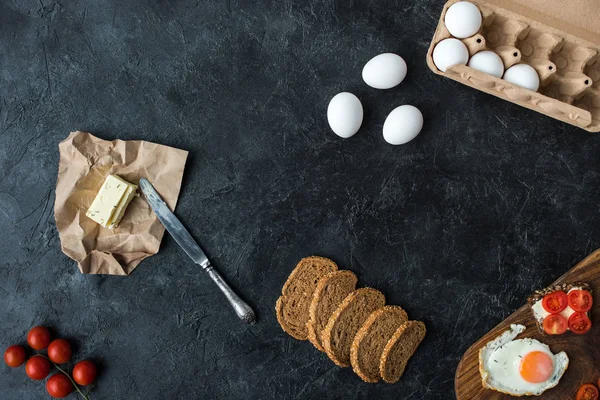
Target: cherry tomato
555,302
59,351
84,372
580,300
38,338
37,368
59,386
14,356
587,392
579,323
555,324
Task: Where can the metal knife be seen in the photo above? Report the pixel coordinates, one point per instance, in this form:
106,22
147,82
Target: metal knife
189,245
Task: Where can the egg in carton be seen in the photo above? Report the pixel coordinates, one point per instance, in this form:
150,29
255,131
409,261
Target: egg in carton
560,40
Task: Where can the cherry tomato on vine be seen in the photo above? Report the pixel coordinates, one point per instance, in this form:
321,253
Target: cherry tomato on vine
59,386
84,372
38,338
14,356
59,351
37,368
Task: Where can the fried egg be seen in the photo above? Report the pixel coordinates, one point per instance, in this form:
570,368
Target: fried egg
520,367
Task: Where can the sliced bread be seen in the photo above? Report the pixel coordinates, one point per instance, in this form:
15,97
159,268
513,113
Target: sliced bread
399,349
292,307
369,342
331,290
346,320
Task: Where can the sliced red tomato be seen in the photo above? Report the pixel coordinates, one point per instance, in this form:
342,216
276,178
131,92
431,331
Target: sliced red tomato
555,302
555,324
580,300
579,323
587,392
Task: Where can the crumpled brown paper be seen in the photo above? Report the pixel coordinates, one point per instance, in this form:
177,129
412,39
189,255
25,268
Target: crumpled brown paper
85,162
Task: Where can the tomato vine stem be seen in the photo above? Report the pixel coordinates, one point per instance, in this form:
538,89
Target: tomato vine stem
68,376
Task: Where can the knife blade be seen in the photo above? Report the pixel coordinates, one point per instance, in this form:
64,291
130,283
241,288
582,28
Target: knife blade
193,250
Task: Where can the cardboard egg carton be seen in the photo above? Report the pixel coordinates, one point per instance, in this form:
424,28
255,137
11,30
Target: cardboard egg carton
561,40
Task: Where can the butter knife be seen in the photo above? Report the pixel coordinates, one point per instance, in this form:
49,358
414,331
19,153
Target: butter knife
189,245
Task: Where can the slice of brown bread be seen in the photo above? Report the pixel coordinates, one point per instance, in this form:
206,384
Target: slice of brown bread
292,307
369,342
347,320
399,349
331,290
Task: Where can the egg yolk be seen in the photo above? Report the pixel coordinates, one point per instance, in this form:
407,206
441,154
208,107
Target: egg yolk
536,367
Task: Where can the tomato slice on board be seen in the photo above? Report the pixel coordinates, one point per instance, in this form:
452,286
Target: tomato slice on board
555,324
579,323
555,302
587,392
580,300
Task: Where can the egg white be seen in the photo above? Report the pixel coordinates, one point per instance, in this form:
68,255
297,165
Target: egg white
500,359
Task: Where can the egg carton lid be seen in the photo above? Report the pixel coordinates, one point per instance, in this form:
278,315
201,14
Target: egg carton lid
580,18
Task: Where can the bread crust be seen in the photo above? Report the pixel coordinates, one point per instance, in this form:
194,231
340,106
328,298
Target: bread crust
334,319
279,305
362,333
313,336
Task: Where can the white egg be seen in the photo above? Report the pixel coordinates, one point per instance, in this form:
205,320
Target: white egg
523,75
345,114
384,71
463,19
402,125
450,52
520,367
488,62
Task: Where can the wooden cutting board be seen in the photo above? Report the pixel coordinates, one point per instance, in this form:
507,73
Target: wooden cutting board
583,350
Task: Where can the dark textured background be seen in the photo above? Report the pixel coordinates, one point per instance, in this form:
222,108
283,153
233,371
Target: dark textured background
490,202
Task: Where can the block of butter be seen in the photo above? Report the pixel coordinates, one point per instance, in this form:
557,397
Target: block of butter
112,200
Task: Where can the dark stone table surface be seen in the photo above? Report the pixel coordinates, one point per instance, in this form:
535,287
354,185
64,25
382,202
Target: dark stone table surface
488,203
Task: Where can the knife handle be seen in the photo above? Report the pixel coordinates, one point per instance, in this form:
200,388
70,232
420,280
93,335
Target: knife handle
242,309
